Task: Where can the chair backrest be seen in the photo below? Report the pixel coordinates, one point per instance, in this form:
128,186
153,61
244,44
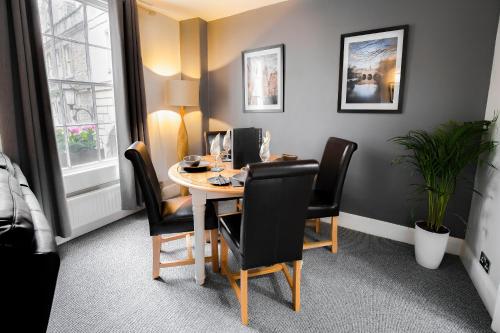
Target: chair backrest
333,168
209,138
138,154
274,211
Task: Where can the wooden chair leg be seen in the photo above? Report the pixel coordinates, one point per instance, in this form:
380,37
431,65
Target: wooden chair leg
334,235
223,254
317,226
156,256
189,246
244,296
214,242
297,269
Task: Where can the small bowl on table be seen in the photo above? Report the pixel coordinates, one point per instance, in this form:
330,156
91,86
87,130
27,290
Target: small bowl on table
289,157
192,160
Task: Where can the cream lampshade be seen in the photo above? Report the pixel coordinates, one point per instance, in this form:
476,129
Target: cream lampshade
182,93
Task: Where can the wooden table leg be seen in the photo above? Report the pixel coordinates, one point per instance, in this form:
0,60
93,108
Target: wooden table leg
244,296
199,201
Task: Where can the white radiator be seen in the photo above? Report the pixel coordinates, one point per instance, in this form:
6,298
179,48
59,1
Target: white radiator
93,206
93,210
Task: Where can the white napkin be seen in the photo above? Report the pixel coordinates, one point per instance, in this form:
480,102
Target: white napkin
265,152
226,142
215,146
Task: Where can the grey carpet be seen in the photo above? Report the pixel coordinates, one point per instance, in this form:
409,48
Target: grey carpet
371,285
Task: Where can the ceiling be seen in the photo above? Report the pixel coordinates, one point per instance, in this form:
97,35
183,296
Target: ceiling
208,10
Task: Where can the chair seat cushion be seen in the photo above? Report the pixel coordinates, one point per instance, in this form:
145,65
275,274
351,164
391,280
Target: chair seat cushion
177,216
320,206
230,229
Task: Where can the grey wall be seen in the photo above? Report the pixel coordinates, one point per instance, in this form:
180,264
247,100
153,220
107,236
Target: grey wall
449,59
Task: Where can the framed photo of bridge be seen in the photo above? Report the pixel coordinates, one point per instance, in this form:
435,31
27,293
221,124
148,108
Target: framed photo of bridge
372,70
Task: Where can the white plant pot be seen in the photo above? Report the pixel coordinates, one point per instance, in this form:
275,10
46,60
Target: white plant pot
430,246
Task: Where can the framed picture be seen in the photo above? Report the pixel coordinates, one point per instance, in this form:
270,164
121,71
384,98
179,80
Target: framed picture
372,70
263,79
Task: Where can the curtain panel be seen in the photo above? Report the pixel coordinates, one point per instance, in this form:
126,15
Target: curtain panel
36,142
131,115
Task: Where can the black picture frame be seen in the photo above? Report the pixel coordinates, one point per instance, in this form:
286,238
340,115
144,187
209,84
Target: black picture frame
375,107
279,50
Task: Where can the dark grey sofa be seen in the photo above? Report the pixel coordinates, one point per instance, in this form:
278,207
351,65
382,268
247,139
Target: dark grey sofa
29,261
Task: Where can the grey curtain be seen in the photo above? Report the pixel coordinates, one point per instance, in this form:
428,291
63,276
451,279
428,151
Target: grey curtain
36,143
130,101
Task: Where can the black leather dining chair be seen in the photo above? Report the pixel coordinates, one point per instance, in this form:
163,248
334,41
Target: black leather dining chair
327,192
269,231
172,216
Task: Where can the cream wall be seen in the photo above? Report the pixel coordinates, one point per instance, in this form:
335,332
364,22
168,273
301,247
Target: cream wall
160,45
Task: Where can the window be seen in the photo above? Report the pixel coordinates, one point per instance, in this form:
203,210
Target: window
77,50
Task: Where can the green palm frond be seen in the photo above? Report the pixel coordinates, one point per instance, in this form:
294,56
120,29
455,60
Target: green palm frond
440,156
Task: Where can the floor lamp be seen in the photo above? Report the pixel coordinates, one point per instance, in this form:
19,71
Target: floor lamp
182,93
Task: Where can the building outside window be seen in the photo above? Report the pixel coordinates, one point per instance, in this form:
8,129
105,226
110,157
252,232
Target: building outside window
77,47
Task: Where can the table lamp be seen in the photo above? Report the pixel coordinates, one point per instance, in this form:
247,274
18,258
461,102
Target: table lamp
182,93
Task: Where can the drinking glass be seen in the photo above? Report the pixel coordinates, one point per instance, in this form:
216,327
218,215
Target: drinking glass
226,144
216,153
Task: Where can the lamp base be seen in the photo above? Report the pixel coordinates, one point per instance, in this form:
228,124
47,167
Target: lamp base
182,144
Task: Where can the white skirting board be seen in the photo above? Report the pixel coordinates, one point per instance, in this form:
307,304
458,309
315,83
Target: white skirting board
389,230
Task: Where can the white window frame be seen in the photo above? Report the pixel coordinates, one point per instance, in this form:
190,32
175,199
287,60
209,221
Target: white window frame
104,170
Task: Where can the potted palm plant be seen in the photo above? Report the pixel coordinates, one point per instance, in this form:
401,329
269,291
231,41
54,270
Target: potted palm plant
440,157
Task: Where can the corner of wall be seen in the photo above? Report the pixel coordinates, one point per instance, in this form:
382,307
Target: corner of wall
194,63
483,229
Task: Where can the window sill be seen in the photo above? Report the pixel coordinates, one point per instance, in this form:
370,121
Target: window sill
77,180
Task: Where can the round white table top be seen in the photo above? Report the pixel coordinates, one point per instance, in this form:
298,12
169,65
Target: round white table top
199,180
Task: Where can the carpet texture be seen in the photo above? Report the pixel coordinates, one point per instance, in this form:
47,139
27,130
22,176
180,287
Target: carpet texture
371,285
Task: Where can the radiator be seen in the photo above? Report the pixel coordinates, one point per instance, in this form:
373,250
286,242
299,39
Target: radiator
89,208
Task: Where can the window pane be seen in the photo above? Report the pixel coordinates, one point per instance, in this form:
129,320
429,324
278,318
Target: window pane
44,10
76,42
71,60
98,27
107,137
100,61
67,18
56,104
82,144
78,104
105,104
50,57
61,146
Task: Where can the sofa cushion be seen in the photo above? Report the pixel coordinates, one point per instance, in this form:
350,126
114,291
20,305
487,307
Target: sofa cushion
6,164
44,240
21,179
16,226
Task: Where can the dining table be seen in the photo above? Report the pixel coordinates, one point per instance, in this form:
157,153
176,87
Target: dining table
202,191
